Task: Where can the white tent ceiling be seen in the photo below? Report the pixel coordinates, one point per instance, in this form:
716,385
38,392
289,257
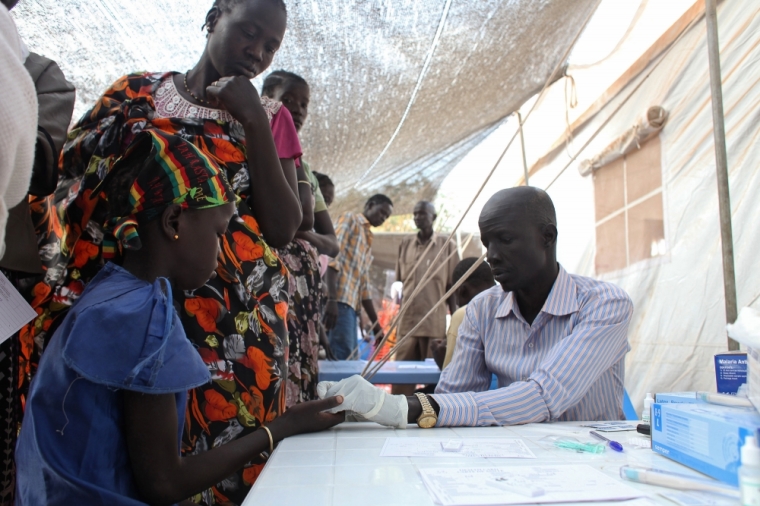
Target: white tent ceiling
363,59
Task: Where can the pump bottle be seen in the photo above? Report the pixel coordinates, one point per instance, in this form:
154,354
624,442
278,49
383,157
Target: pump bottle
749,472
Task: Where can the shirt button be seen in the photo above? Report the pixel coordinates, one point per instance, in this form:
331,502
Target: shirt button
530,345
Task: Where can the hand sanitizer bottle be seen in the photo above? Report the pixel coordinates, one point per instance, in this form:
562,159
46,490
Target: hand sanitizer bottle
645,415
749,472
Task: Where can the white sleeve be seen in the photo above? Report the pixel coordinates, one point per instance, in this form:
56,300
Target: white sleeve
18,122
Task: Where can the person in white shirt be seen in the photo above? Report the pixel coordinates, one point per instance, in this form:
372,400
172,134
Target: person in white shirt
18,119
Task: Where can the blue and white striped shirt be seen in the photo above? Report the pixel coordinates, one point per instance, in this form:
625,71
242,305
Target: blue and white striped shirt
568,365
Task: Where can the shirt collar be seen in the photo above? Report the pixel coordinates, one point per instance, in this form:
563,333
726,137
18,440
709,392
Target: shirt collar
363,221
562,299
433,238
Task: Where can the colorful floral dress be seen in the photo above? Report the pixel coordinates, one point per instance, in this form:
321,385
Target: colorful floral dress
306,300
305,313
236,321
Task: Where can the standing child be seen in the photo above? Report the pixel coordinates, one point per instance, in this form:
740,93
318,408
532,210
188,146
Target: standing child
106,410
316,235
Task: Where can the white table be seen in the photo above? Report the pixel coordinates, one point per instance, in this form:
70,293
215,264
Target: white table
392,373
343,466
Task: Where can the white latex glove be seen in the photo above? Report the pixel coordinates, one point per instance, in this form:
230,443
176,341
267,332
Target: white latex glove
364,401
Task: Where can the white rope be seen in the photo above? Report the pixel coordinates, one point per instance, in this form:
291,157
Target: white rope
417,87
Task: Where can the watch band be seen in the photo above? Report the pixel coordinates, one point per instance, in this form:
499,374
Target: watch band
428,418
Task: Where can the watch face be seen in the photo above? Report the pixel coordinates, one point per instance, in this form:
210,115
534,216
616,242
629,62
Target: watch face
426,422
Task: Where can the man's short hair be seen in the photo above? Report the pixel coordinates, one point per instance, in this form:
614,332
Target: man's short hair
379,199
481,275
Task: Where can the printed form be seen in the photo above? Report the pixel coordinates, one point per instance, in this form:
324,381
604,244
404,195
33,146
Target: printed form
15,312
471,447
482,486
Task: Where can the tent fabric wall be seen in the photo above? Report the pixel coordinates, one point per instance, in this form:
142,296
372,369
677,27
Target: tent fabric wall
679,319
362,58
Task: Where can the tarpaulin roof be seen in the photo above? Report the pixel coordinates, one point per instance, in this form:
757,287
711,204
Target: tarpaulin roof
364,59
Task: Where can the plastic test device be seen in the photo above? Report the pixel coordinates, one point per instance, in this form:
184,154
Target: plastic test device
612,444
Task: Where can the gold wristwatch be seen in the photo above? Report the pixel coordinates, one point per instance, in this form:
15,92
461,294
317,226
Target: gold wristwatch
428,418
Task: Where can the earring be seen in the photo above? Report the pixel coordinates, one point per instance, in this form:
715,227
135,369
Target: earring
176,237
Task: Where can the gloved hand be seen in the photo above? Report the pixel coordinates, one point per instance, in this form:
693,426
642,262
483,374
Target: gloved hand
363,401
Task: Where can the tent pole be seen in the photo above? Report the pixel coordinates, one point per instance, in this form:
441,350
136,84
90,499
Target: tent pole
721,165
522,143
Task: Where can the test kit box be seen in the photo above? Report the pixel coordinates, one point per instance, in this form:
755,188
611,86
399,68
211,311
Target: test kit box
705,437
730,371
677,398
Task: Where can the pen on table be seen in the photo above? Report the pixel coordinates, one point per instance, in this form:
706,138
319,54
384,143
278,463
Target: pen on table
612,444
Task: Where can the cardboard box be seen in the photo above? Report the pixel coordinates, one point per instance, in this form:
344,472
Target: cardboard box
730,371
705,437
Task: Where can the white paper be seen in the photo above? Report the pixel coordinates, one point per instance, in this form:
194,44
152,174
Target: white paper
15,312
480,486
683,498
471,448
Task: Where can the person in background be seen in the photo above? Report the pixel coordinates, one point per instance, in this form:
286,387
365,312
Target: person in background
555,341
106,409
415,263
20,167
479,281
315,236
348,276
236,321
327,187
18,119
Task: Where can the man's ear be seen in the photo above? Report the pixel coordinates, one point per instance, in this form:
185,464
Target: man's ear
435,217
550,235
170,221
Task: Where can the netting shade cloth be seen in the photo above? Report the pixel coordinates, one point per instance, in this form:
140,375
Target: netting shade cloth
362,59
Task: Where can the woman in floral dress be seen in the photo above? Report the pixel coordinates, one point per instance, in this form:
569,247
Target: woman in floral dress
237,320
316,235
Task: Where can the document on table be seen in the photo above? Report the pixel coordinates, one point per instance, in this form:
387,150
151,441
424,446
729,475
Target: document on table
481,486
471,447
15,312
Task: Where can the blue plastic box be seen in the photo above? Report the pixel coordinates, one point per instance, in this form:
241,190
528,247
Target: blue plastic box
705,437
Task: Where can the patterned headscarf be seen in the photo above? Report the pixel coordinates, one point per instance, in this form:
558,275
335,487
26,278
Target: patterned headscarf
159,170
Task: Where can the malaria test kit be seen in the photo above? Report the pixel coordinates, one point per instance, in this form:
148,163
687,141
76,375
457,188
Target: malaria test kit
705,437
730,371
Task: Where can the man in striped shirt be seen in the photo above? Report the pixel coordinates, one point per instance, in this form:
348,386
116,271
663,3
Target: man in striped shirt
348,275
555,341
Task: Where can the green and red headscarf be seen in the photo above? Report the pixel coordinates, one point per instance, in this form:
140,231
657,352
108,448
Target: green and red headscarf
161,170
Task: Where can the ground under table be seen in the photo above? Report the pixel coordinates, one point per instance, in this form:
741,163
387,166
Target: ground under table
343,466
392,373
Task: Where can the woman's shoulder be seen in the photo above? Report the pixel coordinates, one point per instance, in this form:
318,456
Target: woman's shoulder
271,106
138,83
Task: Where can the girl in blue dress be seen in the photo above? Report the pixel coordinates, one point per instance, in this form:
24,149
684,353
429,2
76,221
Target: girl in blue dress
106,410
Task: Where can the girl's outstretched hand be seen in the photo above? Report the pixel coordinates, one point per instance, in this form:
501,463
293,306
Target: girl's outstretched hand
238,96
307,417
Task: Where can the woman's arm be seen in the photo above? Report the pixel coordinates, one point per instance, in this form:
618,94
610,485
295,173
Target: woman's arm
274,186
307,200
163,477
323,238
